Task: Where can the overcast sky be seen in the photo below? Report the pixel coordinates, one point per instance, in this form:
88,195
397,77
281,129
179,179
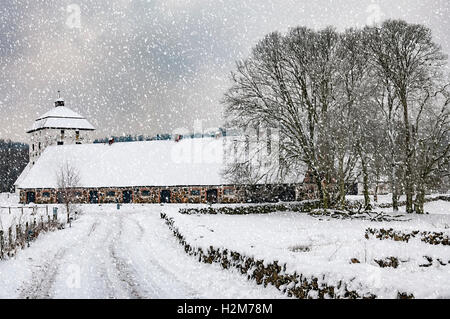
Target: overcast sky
150,66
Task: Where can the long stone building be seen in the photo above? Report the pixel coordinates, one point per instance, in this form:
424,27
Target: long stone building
181,171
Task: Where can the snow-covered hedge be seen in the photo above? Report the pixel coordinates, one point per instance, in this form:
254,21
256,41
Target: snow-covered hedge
264,273
305,206
432,238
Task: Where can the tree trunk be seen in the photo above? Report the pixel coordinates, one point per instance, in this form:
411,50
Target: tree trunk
394,188
419,201
375,194
341,183
322,189
325,198
409,171
409,200
365,185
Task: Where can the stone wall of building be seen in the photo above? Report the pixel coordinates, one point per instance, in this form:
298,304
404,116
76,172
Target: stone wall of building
178,194
41,139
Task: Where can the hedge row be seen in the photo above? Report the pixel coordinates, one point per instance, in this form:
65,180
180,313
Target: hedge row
293,285
306,206
21,235
432,238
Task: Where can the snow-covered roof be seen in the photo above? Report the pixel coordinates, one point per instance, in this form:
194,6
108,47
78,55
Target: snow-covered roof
150,163
61,117
22,175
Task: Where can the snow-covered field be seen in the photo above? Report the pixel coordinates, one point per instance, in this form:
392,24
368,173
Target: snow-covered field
130,253
108,253
324,247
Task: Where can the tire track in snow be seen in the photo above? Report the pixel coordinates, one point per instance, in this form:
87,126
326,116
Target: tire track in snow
125,272
160,269
43,279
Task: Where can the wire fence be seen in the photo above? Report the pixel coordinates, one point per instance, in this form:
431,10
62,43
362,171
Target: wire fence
21,224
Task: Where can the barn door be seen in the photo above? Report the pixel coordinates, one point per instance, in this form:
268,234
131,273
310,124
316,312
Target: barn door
93,197
127,196
31,197
60,197
165,196
287,193
211,195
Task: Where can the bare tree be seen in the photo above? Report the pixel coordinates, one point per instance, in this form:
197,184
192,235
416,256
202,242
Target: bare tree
431,143
288,83
362,102
68,179
353,118
407,59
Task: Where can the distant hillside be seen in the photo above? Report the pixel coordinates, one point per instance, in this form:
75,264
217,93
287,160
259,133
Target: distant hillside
13,159
134,138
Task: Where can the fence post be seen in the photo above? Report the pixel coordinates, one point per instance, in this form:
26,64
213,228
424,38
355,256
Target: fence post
27,232
18,234
34,228
1,244
10,238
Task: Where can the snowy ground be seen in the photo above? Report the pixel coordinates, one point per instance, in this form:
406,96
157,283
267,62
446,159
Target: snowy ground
130,253
325,247
118,254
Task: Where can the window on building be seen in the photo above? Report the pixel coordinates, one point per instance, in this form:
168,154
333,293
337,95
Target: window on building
32,147
60,143
46,194
228,191
195,192
111,194
145,193
77,135
39,145
62,134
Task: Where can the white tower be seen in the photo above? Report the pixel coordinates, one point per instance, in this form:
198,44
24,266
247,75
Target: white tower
59,126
